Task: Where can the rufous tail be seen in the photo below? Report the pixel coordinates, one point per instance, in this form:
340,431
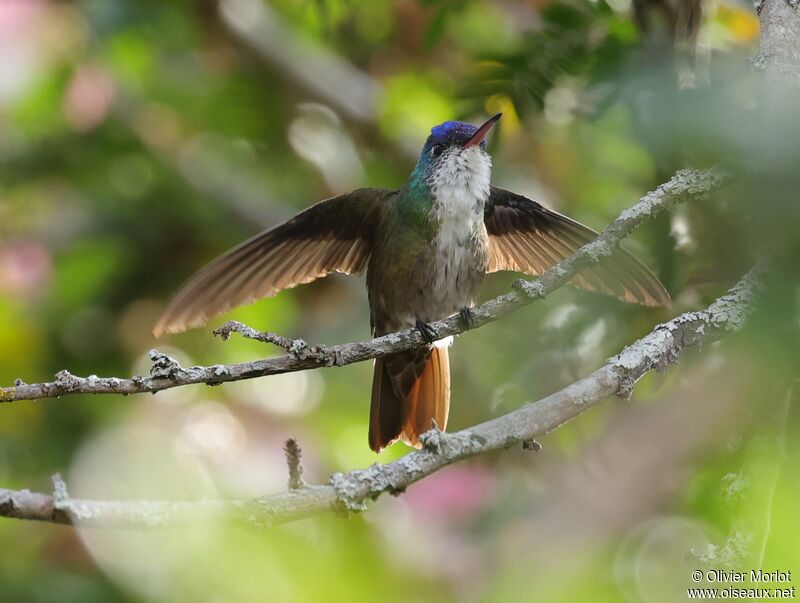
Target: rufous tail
410,412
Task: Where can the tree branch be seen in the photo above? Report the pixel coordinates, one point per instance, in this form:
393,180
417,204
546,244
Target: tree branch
349,491
166,373
780,51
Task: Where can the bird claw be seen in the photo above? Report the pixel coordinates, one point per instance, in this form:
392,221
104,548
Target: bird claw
467,317
428,333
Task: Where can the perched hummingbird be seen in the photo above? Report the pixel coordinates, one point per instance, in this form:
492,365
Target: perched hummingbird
426,248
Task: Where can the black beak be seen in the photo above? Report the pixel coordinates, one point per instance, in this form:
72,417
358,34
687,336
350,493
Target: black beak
478,137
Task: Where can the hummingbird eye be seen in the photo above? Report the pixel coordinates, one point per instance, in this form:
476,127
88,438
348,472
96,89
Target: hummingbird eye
437,150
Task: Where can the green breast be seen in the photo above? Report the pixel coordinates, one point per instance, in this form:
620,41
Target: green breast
413,213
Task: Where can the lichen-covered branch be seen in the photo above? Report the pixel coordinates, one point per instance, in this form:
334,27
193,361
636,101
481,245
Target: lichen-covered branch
166,373
349,491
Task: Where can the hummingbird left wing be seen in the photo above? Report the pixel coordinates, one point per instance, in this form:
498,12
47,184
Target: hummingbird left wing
525,236
334,235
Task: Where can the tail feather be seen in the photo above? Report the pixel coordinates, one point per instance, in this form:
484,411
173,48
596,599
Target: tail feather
428,401
385,413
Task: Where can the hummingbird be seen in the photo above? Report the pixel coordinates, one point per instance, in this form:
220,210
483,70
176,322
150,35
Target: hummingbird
426,248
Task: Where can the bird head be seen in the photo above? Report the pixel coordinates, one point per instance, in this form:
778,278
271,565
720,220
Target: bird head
455,155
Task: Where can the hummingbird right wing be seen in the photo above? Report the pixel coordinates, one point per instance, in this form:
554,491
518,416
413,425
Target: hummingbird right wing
334,235
525,236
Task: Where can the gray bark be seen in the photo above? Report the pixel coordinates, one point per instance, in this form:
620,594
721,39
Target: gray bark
780,43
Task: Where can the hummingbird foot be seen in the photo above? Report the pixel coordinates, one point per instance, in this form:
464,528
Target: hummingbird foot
467,317
427,331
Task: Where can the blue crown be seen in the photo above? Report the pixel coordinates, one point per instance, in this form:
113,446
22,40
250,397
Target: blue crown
452,131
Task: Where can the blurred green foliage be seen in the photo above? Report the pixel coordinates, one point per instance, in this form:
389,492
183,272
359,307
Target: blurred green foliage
140,139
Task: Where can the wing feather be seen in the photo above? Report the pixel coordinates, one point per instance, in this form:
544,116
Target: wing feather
526,237
334,235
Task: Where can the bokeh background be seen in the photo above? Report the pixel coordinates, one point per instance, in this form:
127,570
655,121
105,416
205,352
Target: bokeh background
139,139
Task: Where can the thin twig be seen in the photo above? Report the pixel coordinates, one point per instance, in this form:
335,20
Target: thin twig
167,373
293,456
298,348
234,326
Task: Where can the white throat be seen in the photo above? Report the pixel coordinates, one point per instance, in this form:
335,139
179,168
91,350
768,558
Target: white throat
461,183
460,187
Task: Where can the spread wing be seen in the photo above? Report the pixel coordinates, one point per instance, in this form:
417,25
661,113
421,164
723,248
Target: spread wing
334,235
527,237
